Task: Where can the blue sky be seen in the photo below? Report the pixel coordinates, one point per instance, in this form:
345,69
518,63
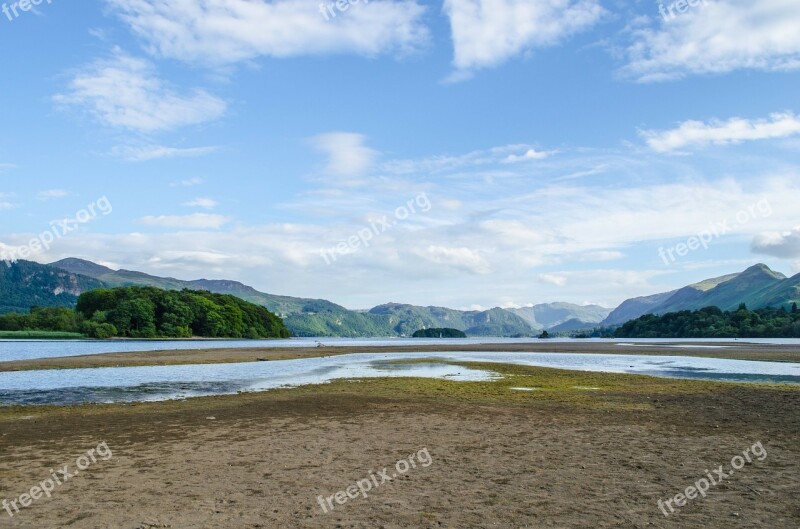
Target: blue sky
516,152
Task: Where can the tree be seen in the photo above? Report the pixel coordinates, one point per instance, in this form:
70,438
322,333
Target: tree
794,308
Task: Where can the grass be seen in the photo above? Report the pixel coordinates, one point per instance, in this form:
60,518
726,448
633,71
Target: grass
40,335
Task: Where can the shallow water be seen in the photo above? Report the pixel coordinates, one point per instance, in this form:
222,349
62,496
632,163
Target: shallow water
32,349
129,384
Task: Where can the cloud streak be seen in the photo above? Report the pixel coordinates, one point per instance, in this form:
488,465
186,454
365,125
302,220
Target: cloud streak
735,130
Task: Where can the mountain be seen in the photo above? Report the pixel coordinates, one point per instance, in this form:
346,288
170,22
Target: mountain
550,316
406,319
757,287
319,317
304,317
25,284
59,284
633,308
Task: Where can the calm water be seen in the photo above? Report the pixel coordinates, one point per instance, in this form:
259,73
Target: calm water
30,349
128,384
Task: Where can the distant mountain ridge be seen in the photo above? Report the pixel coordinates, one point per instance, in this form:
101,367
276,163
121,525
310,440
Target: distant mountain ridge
757,287
318,317
551,316
25,284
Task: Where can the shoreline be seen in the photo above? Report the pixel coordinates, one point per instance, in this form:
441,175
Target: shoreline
726,350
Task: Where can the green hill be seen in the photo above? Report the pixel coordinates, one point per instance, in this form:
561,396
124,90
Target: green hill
757,287
25,284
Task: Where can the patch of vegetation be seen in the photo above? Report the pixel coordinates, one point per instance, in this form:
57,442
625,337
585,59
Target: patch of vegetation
148,312
439,333
711,322
40,335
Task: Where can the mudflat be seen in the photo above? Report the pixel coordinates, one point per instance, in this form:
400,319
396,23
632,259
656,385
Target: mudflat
578,450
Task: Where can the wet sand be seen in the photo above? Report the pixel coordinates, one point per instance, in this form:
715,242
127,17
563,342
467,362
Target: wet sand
732,350
561,456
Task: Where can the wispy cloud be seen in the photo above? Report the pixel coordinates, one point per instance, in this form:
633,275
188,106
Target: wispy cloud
125,92
196,221
506,154
717,37
189,182
145,153
50,194
206,203
734,130
553,279
219,33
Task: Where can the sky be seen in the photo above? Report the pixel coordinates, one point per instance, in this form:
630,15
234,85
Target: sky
461,153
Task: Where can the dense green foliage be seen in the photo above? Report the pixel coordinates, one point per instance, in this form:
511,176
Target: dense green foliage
148,312
50,319
439,333
711,322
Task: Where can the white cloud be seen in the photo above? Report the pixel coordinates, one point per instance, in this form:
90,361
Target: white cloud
50,194
207,203
483,241
347,154
196,221
506,154
601,256
6,205
489,32
125,92
464,259
717,37
218,33
530,154
785,245
154,152
735,130
553,279
189,182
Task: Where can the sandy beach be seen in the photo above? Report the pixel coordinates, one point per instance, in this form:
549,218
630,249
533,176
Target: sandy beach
582,450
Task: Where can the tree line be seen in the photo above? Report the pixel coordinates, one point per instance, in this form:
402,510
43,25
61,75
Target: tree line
148,312
711,322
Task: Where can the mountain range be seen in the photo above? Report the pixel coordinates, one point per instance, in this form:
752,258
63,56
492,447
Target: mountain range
24,284
319,317
757,287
